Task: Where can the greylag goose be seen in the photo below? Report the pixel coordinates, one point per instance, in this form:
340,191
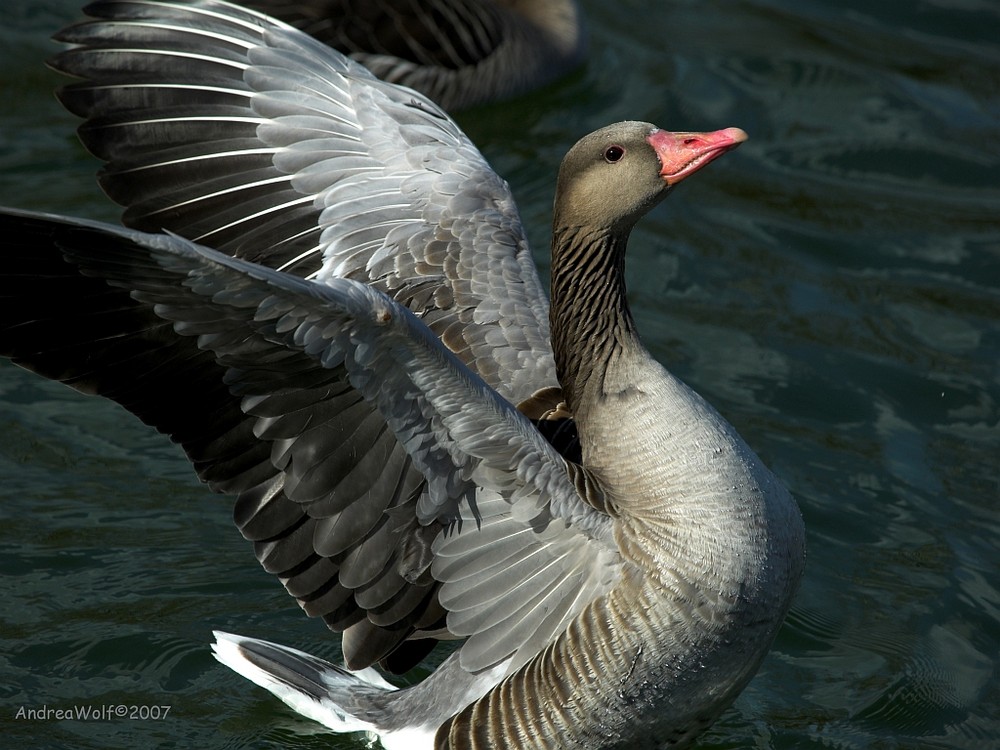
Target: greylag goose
325,295
457,52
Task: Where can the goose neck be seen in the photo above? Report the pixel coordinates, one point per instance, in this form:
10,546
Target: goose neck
590,320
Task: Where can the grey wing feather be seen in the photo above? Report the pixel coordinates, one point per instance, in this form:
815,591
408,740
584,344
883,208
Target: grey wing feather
251,137
519,552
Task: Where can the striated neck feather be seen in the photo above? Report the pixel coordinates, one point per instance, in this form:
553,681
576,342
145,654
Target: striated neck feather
589,316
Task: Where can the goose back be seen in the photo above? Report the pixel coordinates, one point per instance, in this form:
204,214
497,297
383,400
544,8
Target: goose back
459,53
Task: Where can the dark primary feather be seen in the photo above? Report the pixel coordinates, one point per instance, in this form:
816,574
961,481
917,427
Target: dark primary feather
107,344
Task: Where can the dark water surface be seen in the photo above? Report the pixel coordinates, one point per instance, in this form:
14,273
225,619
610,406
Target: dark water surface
833,287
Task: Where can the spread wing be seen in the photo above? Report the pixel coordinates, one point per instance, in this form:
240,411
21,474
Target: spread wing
248,136
511,539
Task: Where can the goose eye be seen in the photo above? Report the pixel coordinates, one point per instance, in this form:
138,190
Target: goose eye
613,154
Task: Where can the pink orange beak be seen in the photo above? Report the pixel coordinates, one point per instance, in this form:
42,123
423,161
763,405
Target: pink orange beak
683,154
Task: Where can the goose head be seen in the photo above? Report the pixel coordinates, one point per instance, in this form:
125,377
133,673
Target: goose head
613,176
